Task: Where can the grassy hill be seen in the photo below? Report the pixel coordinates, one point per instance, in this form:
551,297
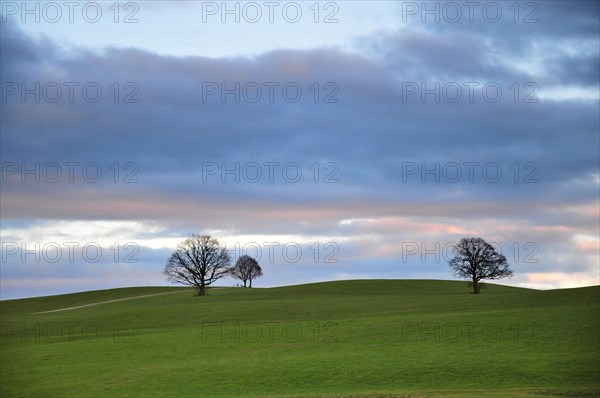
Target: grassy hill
375,338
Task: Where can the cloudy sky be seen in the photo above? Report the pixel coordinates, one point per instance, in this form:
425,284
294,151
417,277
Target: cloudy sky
330,140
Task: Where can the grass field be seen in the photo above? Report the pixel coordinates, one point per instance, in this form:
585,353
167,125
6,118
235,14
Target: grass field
377,338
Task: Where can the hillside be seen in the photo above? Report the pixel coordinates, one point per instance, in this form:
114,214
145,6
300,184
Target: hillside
392,338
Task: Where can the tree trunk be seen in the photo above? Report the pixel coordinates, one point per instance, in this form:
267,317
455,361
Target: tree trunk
475,286
250,282
244,283
202,290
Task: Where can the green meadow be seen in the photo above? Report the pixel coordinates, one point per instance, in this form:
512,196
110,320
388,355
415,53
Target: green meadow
375,338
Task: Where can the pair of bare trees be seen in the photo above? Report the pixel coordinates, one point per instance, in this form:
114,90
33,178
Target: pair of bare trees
200,260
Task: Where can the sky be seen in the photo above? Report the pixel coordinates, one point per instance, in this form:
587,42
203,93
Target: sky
329,140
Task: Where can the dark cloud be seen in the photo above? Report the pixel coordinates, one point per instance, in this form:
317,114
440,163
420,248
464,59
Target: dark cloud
171,132
581,70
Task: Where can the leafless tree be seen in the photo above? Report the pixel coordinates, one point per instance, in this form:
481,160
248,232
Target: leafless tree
246,269
198,261
476,259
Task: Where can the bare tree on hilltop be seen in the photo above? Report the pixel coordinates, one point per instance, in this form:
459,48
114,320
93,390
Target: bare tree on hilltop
246,269
198,261
476,259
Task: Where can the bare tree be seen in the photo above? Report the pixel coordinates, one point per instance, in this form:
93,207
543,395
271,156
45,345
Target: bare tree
246,269
476,259
198,261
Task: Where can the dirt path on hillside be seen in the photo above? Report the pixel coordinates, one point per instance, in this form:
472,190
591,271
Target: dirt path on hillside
108,301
